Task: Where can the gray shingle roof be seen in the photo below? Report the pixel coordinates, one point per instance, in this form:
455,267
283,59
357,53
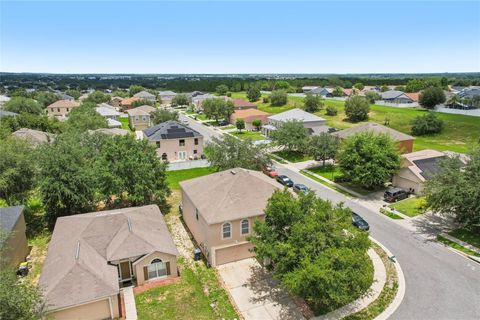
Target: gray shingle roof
144,95
170,130
5,113
296,114
35,137
373,127
391,94
167,93
9,217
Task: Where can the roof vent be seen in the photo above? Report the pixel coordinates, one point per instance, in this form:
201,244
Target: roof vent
77,251
233,172
129,224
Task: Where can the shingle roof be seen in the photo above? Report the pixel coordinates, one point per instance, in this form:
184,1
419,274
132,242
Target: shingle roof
296,114
76,268
144,95
9,217
391,94
249,113
243,103
64,104
141,111
167,93
129,101
107,111
373,127
230,195
5,113
34,136
111,131
170,130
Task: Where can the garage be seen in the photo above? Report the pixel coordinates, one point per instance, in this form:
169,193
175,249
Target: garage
233,253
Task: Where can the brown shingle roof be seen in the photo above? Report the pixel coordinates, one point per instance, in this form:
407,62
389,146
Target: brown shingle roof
64,104
129,101
76,269
243,103
226,196
413,95
241,114
141,111
373,127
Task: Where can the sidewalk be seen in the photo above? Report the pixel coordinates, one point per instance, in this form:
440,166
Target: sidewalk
130,306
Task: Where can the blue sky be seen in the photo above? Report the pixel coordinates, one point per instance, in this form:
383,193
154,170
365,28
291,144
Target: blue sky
239,37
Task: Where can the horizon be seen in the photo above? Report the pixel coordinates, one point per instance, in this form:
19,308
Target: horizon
218,38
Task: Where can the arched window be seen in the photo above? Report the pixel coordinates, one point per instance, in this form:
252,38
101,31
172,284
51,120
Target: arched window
226,230
156,269
245,227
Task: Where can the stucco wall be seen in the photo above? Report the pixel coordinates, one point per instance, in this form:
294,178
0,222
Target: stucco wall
405,146
139,122
92,311
405,179
198,228
145,261
172,146
16,246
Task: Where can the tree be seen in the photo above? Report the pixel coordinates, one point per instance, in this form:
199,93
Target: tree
292,135
98,97
331,111
45,98
231,152
73,93
372,96
217,108
357,108
257,123
338,92
305,241
139,103
323,146
312,103
454,190
369,159
278,98
426,124
253,94
17,170
32,121
240,124
180,100
134,89
384,88
282,85
85,117
162,115
359,86
431,96
221,90
21,104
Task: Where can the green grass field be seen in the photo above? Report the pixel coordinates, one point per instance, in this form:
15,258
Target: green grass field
456,246
467,235
174,177
252,135
411,207
125,125
293,102
328,171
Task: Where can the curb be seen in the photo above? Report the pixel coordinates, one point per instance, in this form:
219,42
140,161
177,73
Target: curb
401,287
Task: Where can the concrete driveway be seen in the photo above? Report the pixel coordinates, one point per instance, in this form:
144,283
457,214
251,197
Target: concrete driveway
255,293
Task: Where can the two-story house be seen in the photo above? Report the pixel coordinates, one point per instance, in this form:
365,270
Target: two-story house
166,97
145,95
61,108
175,141
139,117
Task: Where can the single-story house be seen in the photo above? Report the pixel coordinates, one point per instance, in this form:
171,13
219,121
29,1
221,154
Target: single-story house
405,141
110,114
35,137
61,108
14,246
323,92
197,101
111,131
116,102
193,94
313,123
145,95
127,103
166,97
307,89
139,117
92,255
248,115
175,141
416,168
395,96
241,104
413,95
219,210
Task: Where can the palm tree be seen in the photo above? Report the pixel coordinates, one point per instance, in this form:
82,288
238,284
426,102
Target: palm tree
453,101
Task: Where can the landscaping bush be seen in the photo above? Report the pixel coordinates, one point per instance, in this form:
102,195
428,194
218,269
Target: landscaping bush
266,100
427,124
278,98
253,94
357,108
431,96
331,111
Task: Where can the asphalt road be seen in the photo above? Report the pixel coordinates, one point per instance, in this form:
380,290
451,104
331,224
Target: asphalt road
440,284
207,132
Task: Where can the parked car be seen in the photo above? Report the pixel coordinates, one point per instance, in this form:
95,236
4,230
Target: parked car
223,123
395,194
300,188
286,181
269,171
359,222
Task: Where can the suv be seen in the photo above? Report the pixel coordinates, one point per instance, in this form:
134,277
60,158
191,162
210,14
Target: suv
395,194
269,171
286,181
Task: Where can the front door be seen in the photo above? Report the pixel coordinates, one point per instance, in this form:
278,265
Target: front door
182,155
125,270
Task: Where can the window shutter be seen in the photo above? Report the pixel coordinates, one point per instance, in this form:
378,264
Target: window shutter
167,265
145,273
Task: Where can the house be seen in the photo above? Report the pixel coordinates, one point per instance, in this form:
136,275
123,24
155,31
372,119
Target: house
416,168
307,89
395,96
313,123
413,96
146,96
175,141
219,210
61,108
405,141
110,114
127,103
116,102
323,92
14,246
4,113
92,255
3,100
111,131
139,117
34,137
248,115
193,94
199,99
241,104
64,96
166,97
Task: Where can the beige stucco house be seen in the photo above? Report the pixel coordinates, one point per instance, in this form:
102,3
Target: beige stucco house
249,115
92,255
175,141
14,246
219,209
314,124
139,117
61,108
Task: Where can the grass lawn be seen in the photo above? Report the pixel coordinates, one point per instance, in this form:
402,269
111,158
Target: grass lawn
328,171
331,186
293,102
467,235
174,177
293,156
191,298
456,246
459,134
252,135
411,207
39,244
202,117
230,126
390,214
124,122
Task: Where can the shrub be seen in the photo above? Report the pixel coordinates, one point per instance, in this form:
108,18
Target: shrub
331,111
266,99
278,98
427,124
357,108
253,94
431,96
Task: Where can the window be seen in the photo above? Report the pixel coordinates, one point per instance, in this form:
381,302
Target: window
196,141
164,156
196,213
194,151
67,110
181,142
156,269
58,109
226,230
158,144
245,227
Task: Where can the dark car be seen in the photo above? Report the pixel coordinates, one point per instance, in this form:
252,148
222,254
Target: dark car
300,188
223,123
359,222
395,194
286,181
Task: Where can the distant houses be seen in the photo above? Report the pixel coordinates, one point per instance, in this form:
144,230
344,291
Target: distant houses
166,97
146,96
